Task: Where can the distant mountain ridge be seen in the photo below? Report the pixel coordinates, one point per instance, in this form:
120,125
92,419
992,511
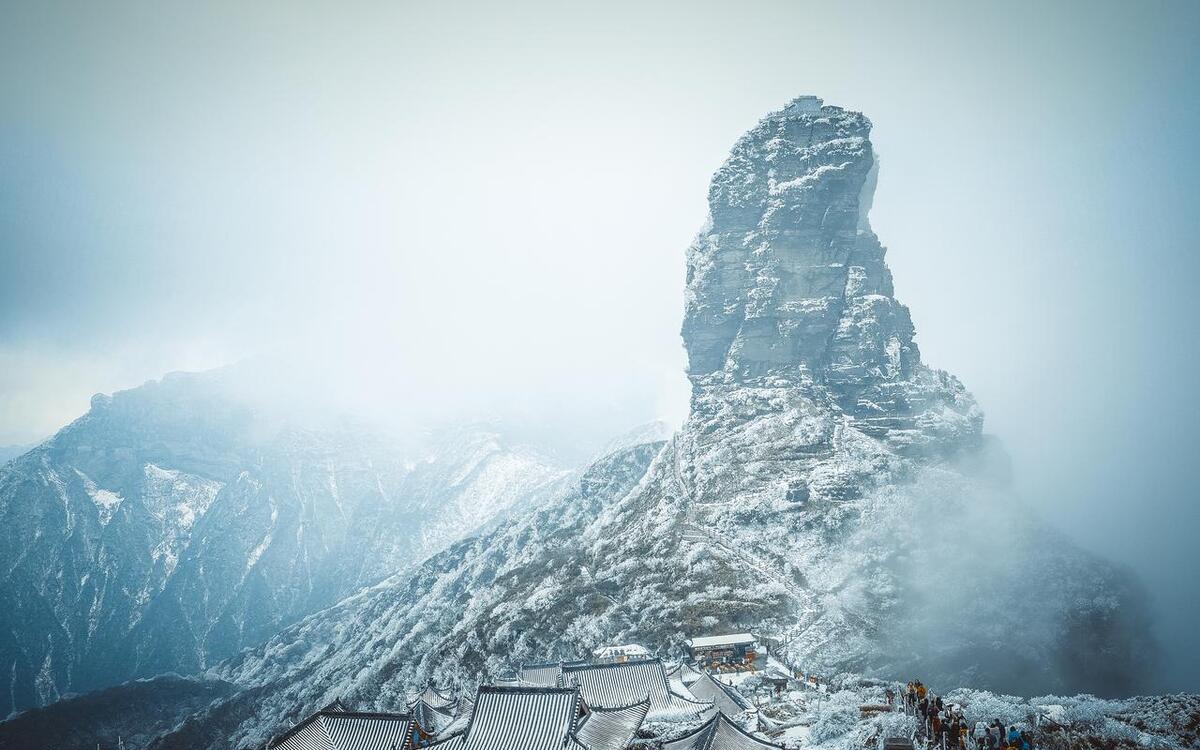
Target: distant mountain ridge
9,452
171,526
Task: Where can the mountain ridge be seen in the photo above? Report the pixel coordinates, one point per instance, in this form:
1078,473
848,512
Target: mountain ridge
172,525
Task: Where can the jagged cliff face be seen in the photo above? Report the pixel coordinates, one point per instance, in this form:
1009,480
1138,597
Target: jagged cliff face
824,453
827,489
787,286
168,528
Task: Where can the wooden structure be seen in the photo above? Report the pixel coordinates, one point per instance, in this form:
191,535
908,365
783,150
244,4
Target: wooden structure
774,679
620,654
737,649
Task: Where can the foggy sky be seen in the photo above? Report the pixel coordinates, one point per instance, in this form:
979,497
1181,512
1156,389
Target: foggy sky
473,206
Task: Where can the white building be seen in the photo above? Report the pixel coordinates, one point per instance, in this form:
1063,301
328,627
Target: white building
620,654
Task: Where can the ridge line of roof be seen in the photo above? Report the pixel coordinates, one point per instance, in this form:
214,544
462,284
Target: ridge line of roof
734,695
367,715
523,689
697,730
629,663
602,710
311,719
554,663
690,700
748,735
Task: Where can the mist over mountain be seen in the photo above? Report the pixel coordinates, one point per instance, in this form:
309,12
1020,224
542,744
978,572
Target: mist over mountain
178,522
12,451
828,489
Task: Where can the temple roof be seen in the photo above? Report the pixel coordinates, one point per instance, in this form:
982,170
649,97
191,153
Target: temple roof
542,673
434,720
613,685
432,697
719,733
684,672
728,700
519,718
346,730
612,728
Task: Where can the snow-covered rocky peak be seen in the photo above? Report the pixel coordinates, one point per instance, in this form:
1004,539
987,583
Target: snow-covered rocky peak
822,452
787,285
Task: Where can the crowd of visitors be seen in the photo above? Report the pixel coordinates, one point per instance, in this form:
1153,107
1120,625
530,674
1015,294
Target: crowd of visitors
944,727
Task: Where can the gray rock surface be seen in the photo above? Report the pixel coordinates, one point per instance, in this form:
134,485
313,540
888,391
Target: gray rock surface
787,286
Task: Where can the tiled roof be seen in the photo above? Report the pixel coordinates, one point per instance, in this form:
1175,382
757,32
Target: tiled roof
719,733
728,700
612,728
612,685
519,718
345,730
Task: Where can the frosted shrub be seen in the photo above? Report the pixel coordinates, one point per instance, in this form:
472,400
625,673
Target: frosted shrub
1079,710
834,722
894,725
845,680
982,705
839,716
1120,731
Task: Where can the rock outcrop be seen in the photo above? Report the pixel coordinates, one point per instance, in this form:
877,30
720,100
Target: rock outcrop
821,447
787,286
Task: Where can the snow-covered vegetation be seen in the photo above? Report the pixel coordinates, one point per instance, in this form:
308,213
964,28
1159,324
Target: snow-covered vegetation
1052,722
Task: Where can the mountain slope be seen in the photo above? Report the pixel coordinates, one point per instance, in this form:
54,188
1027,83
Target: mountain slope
172,525
466,612
828,489
144,710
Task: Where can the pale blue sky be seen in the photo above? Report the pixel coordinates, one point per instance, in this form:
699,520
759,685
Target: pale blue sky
488,204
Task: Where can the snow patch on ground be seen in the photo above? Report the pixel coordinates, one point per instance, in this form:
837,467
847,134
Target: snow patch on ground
106,501
176,500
